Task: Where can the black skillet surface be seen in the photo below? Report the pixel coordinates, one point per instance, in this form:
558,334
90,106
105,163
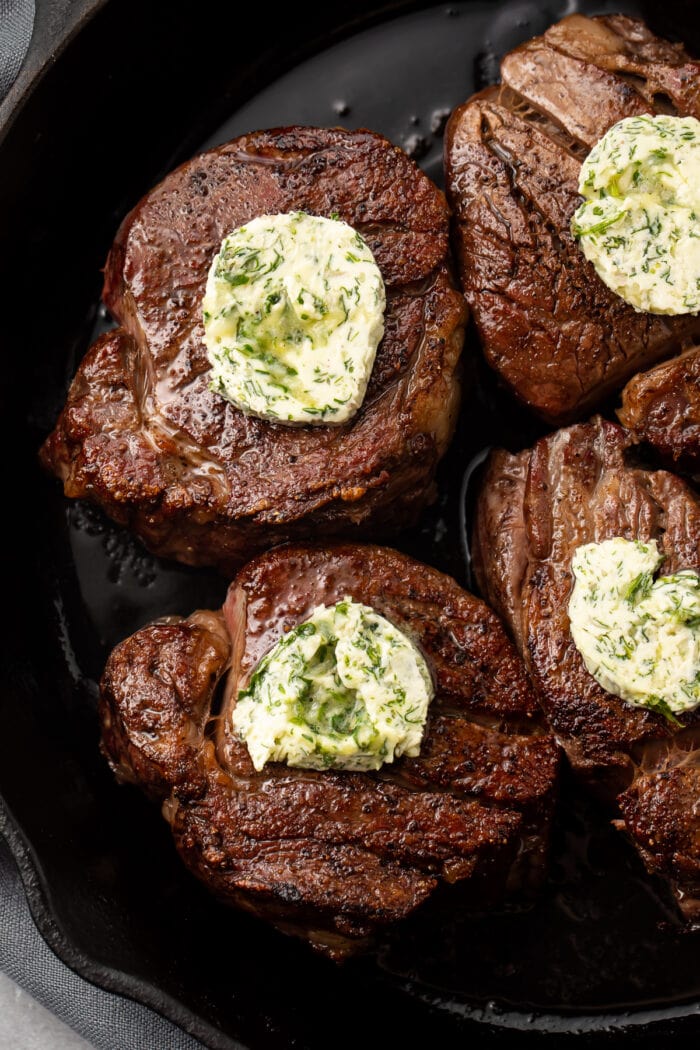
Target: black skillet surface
139,89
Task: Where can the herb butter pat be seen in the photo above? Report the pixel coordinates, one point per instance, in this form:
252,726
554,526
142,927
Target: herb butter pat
639,636
640,222
344,690
293,314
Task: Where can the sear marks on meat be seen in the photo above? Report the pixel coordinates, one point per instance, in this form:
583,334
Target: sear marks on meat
661,408
554,333
534,510
143,436
334,856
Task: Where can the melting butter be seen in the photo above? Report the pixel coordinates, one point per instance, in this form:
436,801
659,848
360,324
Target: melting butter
640,221
639,636
293,315
346,689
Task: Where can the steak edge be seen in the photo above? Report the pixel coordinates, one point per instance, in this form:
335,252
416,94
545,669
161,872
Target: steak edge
143,436
335,856
558,338
661,408
535,508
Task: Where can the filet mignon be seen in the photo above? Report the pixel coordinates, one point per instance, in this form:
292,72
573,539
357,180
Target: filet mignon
534,510
661,407
554,333
333,856
142,434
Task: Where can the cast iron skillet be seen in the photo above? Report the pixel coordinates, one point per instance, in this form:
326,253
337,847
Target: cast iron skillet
97,117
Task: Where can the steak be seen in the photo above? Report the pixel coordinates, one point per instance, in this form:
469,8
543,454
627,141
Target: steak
554,333
142,434
535,508
661,407
334,856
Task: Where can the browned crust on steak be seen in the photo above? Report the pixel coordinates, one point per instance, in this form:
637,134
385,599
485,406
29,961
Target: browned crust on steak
534,510
661,407
662,816
555,334
334,856
142,434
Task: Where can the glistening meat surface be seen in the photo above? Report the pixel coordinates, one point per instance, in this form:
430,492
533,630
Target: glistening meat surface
661,407
555,334
142,434
334,856
535,508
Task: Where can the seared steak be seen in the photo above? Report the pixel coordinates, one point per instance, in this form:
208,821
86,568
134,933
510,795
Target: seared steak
556,335
534,510
662,408
143,435
333,856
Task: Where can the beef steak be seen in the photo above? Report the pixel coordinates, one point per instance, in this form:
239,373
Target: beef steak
142,434
661,407
555,334
534,510
333,856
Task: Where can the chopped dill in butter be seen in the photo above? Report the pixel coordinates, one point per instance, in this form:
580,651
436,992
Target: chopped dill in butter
639,636
640,222
293,315
346,689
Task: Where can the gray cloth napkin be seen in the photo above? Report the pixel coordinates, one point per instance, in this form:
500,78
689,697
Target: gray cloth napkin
107,1021
16,24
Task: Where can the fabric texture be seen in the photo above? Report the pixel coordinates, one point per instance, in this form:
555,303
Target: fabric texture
27,1025
16,24
106,1021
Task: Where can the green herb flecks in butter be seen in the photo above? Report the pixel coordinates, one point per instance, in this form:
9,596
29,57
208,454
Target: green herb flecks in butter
293,314
639,636
640,222
344,690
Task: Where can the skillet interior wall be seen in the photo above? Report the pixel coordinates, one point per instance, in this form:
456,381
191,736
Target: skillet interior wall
135,93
